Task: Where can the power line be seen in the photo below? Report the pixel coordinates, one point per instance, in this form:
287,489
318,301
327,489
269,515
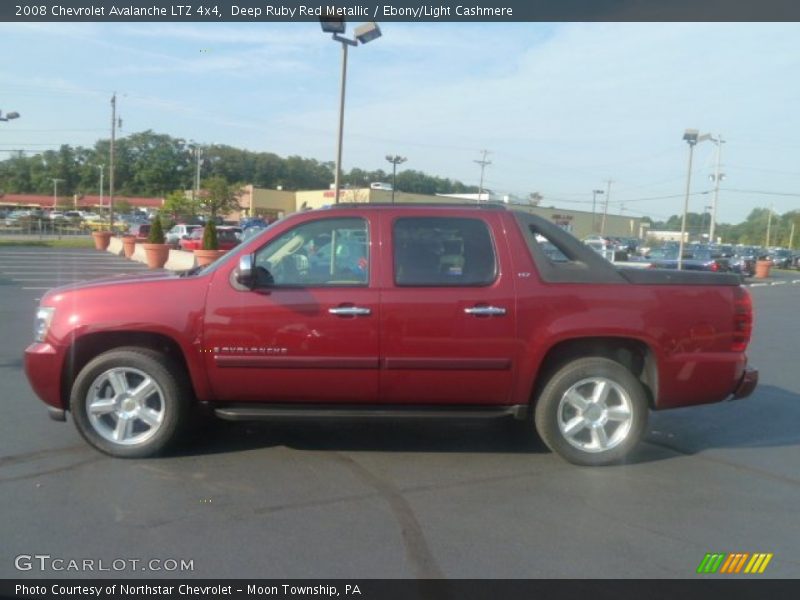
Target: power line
762,192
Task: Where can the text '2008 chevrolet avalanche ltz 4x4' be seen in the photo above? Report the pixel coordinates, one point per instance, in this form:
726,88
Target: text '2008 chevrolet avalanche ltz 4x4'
395,311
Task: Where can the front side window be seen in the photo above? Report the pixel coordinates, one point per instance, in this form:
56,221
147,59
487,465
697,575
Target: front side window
443,251
326,252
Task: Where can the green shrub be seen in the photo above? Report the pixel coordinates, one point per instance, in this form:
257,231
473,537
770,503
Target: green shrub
156,232
210,236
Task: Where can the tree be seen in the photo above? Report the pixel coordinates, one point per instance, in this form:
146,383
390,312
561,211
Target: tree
210,236
535,198
218,196
156,232
179,205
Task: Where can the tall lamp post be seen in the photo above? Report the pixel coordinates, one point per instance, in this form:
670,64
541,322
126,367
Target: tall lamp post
594,207
8,116
395,160
363,33
55,192
692,137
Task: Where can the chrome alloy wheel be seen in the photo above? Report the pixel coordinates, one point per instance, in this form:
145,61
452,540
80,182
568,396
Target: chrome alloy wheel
125,406
595,415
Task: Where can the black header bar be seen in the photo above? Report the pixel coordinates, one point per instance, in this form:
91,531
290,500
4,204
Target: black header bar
259,11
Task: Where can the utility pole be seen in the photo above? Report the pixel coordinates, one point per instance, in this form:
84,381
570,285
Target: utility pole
769,224
102,171
717,177
483,163
594,206
605,208
198,151
791,237
111,163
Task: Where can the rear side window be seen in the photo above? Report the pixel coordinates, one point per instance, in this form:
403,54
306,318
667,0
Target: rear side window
443,251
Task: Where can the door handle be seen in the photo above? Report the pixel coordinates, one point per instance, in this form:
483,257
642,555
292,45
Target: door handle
349,311
484,311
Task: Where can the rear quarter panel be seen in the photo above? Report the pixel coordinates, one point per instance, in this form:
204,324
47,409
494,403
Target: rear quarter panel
688,329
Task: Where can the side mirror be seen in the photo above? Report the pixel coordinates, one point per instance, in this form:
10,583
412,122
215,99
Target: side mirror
244,274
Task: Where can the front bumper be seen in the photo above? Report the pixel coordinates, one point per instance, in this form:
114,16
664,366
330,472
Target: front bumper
43,367
746,384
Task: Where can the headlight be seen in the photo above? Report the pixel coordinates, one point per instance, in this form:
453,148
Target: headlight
41,324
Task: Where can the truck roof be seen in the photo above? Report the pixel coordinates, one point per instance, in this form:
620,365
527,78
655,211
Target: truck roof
415,205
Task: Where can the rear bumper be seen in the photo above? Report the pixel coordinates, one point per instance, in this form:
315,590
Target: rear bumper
746,384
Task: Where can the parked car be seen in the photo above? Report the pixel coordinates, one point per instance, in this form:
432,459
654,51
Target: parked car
141,231
395,311
694,259
781,258
179,232
247,223
227,238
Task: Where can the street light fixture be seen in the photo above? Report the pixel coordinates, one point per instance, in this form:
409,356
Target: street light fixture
691,137
395,160
594,207
8,116
363,33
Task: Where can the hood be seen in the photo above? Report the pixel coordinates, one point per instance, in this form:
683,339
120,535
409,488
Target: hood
114,280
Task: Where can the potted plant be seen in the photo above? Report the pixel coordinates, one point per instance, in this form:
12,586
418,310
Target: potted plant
101,239
128,244
155,249
210,251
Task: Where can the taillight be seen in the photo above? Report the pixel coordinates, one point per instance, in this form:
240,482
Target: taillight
742,320
714,266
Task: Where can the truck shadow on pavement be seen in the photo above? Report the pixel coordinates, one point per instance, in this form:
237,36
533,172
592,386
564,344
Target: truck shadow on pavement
768,419
456,435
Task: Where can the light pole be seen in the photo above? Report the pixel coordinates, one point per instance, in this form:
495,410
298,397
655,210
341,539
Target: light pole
594,208
717,177
9,116
55,192
363,33
692,137
395,160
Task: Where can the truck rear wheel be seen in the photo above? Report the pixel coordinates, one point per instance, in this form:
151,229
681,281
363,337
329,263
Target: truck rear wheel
130,402
592,412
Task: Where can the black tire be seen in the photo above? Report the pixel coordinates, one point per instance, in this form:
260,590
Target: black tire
169,401
583,445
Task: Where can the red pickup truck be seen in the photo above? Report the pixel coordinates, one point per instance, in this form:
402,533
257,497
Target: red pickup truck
395,311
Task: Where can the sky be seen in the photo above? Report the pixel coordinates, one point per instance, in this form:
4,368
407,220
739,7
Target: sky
561,108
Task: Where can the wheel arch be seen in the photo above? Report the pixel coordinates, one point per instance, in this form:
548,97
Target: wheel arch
88,346
634,354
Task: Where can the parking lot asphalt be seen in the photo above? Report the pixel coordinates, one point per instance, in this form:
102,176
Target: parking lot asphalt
454,499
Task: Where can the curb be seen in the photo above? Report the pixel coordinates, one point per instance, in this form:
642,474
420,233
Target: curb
773,283
115,246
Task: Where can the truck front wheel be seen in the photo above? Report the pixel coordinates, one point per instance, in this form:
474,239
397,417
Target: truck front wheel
592,412
130,402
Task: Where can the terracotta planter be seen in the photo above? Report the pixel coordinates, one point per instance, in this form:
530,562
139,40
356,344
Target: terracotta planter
128,245
762,268
157,255
206,257
101,239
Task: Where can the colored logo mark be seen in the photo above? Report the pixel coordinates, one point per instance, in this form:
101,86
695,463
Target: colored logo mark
734,562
